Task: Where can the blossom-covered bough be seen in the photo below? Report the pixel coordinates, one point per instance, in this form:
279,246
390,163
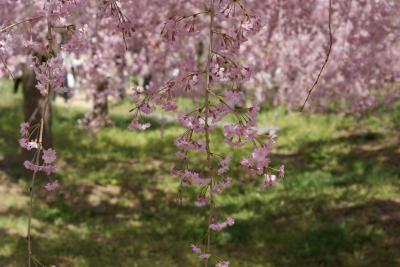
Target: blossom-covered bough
38,28
222,27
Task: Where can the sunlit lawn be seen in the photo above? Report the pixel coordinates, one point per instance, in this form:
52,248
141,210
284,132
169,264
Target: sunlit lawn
338,206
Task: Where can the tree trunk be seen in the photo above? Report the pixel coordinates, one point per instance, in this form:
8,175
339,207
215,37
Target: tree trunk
99,116
101,105
33,106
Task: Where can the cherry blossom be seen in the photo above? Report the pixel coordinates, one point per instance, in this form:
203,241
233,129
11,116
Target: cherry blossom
222,264
269,180
51,186
198,251
49,156
218,187
221,225
139,126
223,168
202,201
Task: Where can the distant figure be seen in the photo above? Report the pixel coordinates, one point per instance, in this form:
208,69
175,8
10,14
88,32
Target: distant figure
17,81
146,80
65,94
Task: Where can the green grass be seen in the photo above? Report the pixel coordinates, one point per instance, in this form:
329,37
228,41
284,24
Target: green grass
338,206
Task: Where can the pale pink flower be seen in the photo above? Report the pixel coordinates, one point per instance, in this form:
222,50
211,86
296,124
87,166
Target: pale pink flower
187,144
24,128
201,201
147,109
49,155
201,254
31,166
196,249
217,188
281,172
47,168
221,225
169,106
222,264
51,186
269,180
204,256
136,125
223,168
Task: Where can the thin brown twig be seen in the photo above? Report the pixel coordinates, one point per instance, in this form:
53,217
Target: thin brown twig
6,67
31,192
206,127
20,22
326,59
30,218
45,107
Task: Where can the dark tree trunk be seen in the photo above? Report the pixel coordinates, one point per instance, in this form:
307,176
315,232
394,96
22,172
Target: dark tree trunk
33,106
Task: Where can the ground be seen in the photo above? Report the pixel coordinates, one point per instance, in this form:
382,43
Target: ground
339,204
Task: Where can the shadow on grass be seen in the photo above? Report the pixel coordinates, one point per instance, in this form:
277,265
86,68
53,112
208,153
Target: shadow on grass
117,205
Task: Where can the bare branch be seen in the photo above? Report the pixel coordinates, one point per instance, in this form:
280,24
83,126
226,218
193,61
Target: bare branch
326,59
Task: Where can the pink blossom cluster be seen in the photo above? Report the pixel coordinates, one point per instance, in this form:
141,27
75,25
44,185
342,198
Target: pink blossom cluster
112,9
202,201
237,135
51,186
223,264
281,171
259,160
223,165
271,179
55,10
28,145
188,144
78,42
135,124
198,251
166,102
47,168
220,81
191,177
192,121
221,225
24,129
177,27
146,101
218,187
48,156
50,75
223,71
24,141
